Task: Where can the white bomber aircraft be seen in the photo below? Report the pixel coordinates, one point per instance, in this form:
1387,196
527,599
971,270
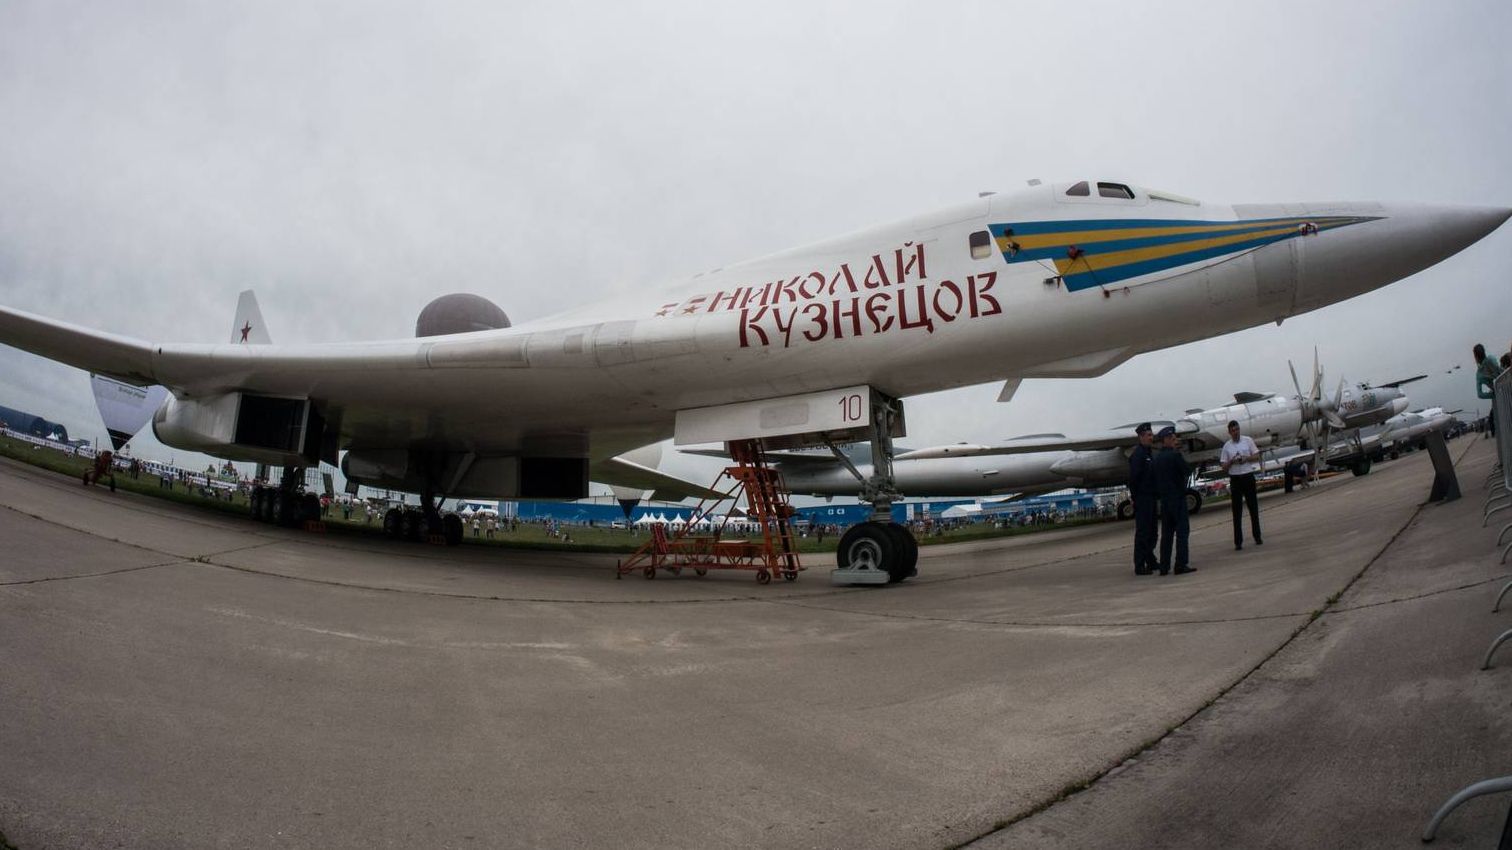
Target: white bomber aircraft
1397,434
801,347
1043,463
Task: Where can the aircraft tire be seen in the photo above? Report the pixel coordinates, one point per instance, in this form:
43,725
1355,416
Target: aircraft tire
309,508
1126,509
412,525
908,547
255,503
284,508
1194,502
392,522
869,544
451,529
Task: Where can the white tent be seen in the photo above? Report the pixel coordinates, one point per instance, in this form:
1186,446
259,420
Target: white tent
958,511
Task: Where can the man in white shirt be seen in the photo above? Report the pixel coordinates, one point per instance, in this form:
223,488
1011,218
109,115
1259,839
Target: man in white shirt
1240,458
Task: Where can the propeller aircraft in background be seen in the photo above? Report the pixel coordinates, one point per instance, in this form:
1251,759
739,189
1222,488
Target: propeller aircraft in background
1044,463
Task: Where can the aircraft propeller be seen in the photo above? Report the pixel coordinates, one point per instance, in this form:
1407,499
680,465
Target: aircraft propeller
1319,415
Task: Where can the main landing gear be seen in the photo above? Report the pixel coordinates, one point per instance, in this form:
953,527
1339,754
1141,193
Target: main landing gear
423,523
287,504
878,551
1193,501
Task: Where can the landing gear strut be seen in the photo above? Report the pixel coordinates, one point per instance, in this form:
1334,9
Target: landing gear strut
878,551
423,523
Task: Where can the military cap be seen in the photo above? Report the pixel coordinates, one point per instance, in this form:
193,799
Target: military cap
1165,432
1142,428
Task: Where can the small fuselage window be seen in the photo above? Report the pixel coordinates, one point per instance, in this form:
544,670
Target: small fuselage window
1115,190
981,245
1080,190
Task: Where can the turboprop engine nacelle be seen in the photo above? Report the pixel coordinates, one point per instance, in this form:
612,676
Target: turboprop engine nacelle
1092,468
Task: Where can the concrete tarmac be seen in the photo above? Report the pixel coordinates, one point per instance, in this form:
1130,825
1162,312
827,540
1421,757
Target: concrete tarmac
171,678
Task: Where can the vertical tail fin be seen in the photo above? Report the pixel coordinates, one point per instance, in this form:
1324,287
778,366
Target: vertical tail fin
248,326
127,408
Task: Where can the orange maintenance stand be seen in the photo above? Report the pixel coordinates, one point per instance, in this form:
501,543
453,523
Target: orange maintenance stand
774,553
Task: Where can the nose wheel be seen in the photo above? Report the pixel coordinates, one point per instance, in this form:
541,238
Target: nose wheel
877,553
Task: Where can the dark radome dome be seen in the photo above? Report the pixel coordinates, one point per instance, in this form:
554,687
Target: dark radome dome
459,313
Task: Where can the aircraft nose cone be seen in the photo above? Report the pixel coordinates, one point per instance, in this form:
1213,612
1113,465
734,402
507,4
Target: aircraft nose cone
1458,227
1385,243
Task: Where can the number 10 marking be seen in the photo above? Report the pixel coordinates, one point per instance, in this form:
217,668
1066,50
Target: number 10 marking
851,408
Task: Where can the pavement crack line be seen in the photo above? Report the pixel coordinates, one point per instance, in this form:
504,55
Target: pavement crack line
1075,787
1071,624
177,557
97,536
440,594
46,579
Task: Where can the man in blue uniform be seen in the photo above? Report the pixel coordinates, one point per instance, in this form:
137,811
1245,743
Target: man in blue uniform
1171,474
1142,494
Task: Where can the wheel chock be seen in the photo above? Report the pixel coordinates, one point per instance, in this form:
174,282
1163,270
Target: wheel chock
858,575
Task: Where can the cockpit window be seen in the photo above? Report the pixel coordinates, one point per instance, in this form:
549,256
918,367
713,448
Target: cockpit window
981,245
1115,190
1080,190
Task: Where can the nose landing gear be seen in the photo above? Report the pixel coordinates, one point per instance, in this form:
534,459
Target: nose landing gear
878,551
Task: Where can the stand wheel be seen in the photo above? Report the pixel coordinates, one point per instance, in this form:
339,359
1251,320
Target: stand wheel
789,575
649,572
700,572
763,577
677,571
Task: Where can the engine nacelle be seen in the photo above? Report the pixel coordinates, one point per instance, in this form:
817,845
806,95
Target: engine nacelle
241,426
458,474
1092,468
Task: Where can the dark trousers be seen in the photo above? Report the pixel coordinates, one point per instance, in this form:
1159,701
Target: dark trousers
1144,534
1241,495
1173,525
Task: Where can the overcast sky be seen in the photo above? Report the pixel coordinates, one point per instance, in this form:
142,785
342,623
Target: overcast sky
352,161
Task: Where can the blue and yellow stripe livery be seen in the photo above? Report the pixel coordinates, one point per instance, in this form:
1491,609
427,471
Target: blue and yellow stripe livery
1099,252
